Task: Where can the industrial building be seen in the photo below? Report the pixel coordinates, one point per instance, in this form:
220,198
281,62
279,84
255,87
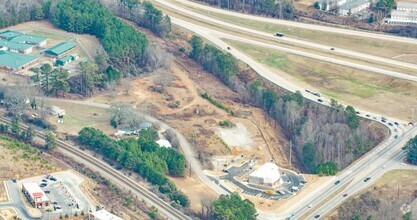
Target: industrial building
16,47
60,50
267,175
68,59
406,13
22,38
35,195
10,61
102,215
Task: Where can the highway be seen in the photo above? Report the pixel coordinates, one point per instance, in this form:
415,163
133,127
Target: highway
380,36
114,175
385,153
298,42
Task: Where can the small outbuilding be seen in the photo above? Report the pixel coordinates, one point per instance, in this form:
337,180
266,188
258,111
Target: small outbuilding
163,143
267,175
56,111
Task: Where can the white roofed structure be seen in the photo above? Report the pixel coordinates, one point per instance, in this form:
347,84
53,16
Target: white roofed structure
103,215
266,175
35,195
163,143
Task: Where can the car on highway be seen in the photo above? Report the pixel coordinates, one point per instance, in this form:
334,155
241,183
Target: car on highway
403,164
383,166
337,182
344,195
396,136
228,48
396,123
367,179
320,100
368,115
332,48
358,113
279,35
317,216
310,205
383,120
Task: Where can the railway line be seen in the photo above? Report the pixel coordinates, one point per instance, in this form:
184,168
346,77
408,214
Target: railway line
122,180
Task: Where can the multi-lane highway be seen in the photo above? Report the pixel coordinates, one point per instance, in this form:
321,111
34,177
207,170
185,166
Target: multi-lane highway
370,165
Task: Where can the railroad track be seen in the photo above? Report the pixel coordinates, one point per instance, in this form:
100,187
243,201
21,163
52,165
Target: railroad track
167,209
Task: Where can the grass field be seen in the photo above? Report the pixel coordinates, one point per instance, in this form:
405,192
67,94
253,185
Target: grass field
374,92
366,45
80,116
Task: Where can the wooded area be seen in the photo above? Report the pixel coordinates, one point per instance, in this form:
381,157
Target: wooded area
143,156
273,8
333,134
411,148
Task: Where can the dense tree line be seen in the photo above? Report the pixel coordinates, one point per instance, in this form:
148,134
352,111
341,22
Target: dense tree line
411,148
231,207
273,8
320,134
143,156
14,12
143,13
124,45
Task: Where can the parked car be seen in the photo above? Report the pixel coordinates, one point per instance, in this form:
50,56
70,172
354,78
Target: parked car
44,180
47,191
320,100
396,123
54,203
53,179
43,184
390,124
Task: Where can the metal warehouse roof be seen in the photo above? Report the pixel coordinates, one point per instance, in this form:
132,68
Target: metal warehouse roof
60,48
104,215
14,45
9,34
15,60
29,39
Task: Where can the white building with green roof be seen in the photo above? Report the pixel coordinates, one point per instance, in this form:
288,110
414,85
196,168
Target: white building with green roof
30,39
16,47
61,50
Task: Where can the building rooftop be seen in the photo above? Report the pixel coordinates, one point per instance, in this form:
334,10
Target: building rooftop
65,59
353,4
403,13
104,215
163,143
60,48
29,39
269,172
9,34
14,45
15,60
407,5
35,192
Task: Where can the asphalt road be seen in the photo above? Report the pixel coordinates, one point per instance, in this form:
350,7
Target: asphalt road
381,36
16,201
298,42
358,168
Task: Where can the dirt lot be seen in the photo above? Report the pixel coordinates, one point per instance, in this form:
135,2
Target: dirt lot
3,193
373,92
7,214
392,196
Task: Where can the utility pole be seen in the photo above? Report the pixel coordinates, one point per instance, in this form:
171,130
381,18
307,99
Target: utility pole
290,152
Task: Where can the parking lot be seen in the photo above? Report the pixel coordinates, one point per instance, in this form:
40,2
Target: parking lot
63,189
289,178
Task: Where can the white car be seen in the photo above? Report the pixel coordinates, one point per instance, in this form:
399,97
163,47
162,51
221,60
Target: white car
310,205
403,164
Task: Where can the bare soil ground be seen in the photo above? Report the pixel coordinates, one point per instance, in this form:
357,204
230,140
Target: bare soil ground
390,197
3,193
17,163
8,214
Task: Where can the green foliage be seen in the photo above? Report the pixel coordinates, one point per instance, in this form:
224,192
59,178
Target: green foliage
352,118
29,11
317,5
152,214
50,141
411,148
384,5
217,103
309,154
121,41
15,128
143,156
269,98
52,81
180,198
220,63
327,169
226,124
408,216
356,217
233,207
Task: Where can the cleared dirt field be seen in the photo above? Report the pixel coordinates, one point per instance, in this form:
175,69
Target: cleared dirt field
373,92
